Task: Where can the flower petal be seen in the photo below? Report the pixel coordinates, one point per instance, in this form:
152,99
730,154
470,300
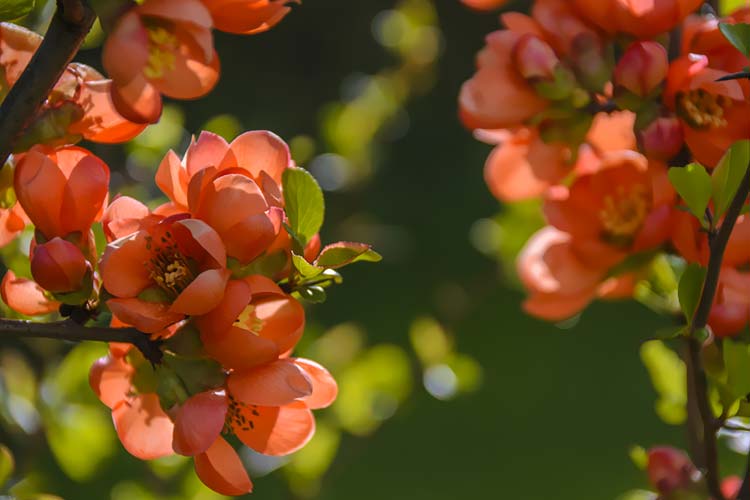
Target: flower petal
261,150
25,296
199,422
273,384
148,317
143,427
221,469
274,430
324,390
110,379
202,294
123,265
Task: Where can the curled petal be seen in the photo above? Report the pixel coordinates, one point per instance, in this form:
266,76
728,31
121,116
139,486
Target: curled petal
221,469
148,317
273,384
199,422
324,389
202,294
122,266
110,379
25,296
261,151
143,427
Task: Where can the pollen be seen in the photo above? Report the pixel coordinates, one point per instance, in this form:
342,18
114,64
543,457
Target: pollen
168,267
702,109
161,47
624,211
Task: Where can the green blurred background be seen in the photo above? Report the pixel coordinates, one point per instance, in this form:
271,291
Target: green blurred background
447,389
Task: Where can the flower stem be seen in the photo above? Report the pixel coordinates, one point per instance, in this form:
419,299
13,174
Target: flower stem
70,24
72,331
718,245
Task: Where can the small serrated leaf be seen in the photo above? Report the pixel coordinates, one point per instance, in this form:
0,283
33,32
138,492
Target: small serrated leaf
343,253
738,35
728,174
306,269
13,10
304,204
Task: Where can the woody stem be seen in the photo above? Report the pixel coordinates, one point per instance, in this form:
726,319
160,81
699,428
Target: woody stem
717,246
69,26
73,331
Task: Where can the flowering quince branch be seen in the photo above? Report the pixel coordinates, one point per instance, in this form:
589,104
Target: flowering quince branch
73,331
68,28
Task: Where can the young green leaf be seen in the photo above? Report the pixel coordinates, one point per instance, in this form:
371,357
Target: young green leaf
689,290
668,374
306,269
344,252
12,10
737,362
7,464
738,35
305,207
693,184
728,174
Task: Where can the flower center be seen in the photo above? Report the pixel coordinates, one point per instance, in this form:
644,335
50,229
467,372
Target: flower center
161,46
703,110
168,267
250,321
623,212
239,416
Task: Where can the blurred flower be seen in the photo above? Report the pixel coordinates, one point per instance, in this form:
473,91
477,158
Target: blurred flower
641,19
642,68
160,274
247,17
662,139
670,469
484,4
160,47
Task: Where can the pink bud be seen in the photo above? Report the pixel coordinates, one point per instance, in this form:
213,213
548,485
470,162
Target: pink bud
58,266
642,68
670,469
662,139
535,59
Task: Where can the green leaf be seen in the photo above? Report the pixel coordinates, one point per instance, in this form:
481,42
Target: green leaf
693,184
726,7
668,376
728,174
690,288
344,252
12,10
304,202
306,269
7,464
670,332
738,35
737,362
315,294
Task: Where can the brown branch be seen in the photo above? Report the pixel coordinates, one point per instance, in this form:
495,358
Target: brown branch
718,244
72,331
69,26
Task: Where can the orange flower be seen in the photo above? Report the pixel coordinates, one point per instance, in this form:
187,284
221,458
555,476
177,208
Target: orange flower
160,274
79,105
247,17
13,220
484,98
714,114
642,68
160,47
235,188
641,18
623,207
267,408
144,428
125,216
62,190
25,296
560,283
255,323
701,35
670,470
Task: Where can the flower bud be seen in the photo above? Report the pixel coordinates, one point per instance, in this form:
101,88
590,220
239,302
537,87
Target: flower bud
662,139
670,469
535,59
592,61
58,266
642,68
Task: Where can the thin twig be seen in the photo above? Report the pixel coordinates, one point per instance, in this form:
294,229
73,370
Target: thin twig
72,331
69,26
700,320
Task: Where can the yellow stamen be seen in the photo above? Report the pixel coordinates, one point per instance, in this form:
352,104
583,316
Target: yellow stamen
624,212
250,321
161,46
168,267
703,110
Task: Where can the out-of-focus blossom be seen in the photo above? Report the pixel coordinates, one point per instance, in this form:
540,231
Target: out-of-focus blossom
662,139
638,18
642,68
160,47
165,272
484,4
248,17
670,469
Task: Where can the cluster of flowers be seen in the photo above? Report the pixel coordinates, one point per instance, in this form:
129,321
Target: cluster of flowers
673,475
211,277
588,105
186,274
